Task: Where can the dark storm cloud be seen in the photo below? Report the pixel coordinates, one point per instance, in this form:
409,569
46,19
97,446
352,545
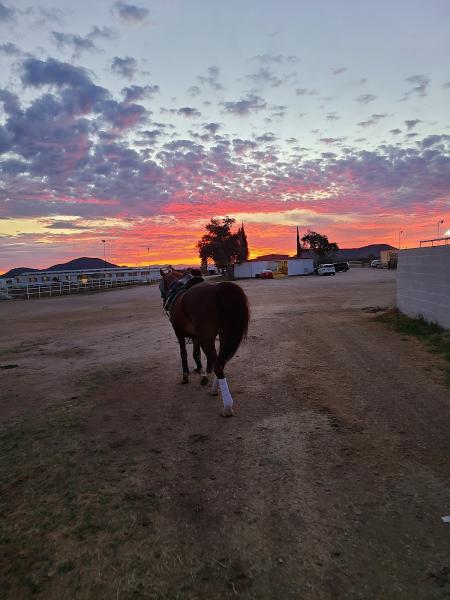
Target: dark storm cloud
130,13
125,67
245,106
395,131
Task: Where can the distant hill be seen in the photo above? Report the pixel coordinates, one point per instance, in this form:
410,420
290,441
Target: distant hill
17,271
82,263
364,252
73,265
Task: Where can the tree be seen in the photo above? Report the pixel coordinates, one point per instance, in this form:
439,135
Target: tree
242,238
220,244
320,245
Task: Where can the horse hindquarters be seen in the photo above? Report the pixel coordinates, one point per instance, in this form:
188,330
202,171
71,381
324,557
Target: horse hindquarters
233,317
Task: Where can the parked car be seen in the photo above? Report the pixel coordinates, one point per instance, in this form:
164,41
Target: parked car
266,274
376,264
326,269
341,266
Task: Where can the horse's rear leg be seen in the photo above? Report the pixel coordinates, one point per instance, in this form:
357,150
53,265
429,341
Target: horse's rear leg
184,360
197,357
219,378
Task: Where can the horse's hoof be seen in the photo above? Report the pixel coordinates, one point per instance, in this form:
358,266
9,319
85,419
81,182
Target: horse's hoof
204,380
185,379
227,412
198,370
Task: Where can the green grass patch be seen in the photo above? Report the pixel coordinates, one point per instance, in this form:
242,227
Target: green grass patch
435,338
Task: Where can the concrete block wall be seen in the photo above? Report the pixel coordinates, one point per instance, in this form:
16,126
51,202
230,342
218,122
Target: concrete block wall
423,283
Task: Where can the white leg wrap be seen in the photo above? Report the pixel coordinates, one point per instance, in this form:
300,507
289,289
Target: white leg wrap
214,385
225,393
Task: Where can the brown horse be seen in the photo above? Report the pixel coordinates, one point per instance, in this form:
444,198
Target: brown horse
201,313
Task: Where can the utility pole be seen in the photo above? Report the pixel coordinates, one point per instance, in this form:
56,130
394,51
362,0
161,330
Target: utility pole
439,223
104,253
399,237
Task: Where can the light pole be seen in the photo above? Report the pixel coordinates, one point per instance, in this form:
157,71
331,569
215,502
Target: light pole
399,238
104,253
439,223
148,257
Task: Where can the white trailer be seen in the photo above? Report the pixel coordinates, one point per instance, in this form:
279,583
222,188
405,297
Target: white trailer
300,266
295,266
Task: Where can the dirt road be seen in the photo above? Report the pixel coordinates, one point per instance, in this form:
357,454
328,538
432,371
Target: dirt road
118,482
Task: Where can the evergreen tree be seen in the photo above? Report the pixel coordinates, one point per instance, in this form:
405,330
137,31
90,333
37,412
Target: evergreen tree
243,254
299,246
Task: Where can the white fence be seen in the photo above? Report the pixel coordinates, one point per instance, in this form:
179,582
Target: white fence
40,290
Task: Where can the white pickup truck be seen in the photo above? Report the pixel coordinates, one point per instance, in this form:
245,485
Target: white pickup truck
327,269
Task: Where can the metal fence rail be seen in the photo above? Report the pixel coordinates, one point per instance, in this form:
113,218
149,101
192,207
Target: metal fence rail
62,288
444,239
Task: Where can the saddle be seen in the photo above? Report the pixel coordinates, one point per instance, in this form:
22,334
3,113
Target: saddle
178,287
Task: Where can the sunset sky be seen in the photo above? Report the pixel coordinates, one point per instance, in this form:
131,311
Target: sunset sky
138,122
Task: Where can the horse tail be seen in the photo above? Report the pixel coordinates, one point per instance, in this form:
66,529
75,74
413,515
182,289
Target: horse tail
233,316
